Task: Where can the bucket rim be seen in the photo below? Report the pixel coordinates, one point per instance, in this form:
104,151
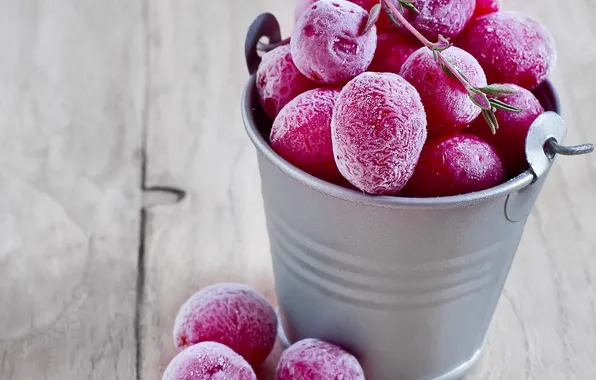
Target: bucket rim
513,185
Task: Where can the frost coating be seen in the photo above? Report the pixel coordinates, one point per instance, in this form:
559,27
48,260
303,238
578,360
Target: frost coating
312,359
208,361
393,49
327,45
446,101
445,17
455,164
378,130
511,47
484,7
510,139
301,133
231,314
279,80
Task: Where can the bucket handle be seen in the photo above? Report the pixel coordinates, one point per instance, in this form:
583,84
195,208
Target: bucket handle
543,143
266,25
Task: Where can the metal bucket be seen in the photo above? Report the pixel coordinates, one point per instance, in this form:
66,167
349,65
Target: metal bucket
408,285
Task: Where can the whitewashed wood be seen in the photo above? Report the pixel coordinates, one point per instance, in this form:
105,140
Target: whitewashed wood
544,327
71,80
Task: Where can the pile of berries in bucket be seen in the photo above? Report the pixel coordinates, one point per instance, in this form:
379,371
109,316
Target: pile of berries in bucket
425,98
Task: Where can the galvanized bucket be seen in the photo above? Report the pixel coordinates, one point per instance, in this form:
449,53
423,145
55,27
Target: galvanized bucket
408,285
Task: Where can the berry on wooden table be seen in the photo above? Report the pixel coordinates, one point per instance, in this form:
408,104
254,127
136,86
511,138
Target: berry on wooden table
510,139
232,314
279,81
455,164
208,361
484,7
301,133
327,43
511,47
393,49
447,103
313,359
378,130
439,17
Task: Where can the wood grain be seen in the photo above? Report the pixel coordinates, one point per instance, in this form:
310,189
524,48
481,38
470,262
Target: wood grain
544,326
70,124
79,81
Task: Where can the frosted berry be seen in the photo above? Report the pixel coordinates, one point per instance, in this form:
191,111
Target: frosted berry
313,359
511,47
231,314
446,101
378,130
208,361
510,138
484,7
327,43
279,81
455,164
393,49
445,17
302,5
301,133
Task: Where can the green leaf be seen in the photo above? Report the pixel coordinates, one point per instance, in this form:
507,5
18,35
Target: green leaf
388,12
373,17
480,99
491,119
504,106
410,5
499,90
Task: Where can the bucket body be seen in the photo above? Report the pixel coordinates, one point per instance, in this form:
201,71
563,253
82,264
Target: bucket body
408,285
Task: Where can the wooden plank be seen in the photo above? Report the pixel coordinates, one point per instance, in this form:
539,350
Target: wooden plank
544,324
196,142
71,80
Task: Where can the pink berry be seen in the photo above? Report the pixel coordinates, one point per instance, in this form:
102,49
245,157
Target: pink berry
208,361
378,130
232,314
393,49
279,81
511,47
302,5
446,101
510,139
455,164
327,43
301,133
484,7
445,17
313,359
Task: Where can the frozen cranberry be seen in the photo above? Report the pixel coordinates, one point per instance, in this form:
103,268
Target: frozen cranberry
314,359
327,43
484,7
393,49
446,101
510,139
232,314
208,361
445,17
511,47
301,6
301,133
378,130
279,81
453,165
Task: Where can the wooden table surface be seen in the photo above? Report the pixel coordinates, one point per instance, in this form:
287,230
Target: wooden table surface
103,102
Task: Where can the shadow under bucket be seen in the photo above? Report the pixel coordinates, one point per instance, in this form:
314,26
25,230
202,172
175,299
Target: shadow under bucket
409,285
